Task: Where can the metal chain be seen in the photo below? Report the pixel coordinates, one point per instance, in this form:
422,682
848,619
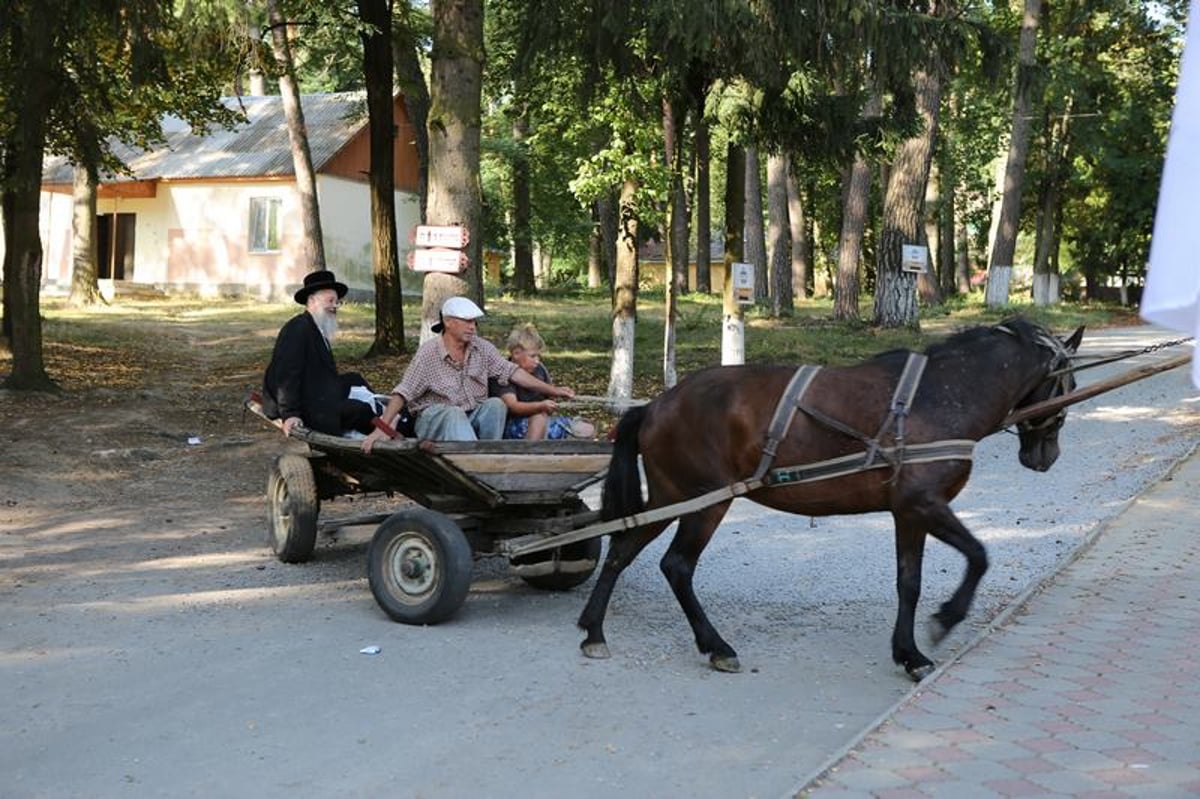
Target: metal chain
1121,355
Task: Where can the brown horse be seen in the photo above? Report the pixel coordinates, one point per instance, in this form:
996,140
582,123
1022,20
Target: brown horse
711,431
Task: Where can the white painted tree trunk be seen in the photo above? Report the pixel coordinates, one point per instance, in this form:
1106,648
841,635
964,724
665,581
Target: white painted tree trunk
1046,289
733,340
999,278
620,378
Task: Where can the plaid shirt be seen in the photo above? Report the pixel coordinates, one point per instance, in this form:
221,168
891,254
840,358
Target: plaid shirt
433,378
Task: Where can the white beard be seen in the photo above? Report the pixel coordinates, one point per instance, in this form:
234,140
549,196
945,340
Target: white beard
326,323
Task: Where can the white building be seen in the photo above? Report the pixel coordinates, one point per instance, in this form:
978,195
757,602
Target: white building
217,212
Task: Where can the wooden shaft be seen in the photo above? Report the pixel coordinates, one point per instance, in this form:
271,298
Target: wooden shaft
1087,392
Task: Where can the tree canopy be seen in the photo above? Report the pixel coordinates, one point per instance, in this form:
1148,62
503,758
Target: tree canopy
573,100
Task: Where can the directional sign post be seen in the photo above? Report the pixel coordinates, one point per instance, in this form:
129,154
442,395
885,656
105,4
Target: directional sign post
439,248
438,259
455,236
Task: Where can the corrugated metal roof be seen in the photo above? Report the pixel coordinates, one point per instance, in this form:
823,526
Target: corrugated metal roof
258,147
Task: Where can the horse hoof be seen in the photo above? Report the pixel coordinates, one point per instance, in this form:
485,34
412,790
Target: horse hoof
918,673
598,651
730,665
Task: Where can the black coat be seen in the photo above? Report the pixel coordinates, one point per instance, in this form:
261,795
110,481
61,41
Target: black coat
302,379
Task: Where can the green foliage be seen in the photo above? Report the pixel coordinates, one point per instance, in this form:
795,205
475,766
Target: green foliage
121,68
1111,77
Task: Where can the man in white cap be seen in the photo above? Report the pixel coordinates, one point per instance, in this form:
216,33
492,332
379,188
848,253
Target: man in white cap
302,384
446,384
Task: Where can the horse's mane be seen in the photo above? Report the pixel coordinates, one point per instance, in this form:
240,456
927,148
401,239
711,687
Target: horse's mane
1025,331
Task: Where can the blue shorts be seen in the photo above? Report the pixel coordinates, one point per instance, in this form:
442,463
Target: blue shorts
558,428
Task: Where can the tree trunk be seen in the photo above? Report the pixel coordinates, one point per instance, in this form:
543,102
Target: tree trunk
778,236
676,279
854,219
856,192
607,213
385,255
962,261
407,49
903,212
755,247
306,178
595,265
945,227
703,205
927,282
677,210
85,288
1046,280
1005,245
7,275
733,349
735,202
522,234
22,150
455,196
800,256
625,295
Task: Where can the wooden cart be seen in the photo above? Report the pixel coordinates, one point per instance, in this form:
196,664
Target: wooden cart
476,499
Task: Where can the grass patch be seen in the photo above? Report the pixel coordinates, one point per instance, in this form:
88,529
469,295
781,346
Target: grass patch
140,343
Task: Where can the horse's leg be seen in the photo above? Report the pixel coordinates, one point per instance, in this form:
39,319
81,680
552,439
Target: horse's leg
946,527
910,554
623,548
679,564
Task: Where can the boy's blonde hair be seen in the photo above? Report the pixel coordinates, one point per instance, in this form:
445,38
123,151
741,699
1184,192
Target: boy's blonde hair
525,337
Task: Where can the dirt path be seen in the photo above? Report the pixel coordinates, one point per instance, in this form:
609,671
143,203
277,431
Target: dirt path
151,646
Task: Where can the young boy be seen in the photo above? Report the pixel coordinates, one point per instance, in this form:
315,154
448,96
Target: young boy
531,414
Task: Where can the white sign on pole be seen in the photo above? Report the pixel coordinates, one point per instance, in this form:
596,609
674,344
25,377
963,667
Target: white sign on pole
743,283
440,236
914,258
443,260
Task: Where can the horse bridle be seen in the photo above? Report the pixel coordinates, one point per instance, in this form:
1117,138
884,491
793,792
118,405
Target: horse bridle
1060,371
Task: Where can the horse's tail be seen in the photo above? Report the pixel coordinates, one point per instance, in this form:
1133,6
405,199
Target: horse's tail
622,494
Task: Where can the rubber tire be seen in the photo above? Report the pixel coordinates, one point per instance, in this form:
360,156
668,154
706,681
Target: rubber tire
292,508
564,581
434,548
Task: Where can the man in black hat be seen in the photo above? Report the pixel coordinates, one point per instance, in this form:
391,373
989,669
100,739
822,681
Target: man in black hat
302,384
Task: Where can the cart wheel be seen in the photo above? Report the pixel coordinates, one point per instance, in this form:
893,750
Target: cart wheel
419,567
559,569
293,505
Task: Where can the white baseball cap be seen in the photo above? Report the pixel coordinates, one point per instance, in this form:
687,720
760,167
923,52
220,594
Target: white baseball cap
459,308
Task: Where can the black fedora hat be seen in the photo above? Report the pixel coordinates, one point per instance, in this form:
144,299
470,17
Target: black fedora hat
321,279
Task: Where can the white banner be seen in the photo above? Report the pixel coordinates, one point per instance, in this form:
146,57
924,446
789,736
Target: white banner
1172,294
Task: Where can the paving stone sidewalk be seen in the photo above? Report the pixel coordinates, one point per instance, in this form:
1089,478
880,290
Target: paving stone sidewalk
1090,688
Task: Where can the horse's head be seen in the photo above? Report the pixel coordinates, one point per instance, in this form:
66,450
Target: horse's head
1039,434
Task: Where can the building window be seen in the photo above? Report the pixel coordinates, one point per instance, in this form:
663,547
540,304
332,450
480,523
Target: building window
264,224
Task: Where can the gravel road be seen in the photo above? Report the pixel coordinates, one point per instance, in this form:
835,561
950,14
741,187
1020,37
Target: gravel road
151,646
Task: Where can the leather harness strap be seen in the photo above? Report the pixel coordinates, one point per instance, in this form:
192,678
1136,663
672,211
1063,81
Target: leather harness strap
791,401
785,411
949,450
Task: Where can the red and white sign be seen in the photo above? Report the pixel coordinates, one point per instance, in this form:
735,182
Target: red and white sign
437,260
440,236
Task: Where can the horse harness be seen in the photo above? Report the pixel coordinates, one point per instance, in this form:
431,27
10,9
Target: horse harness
876,454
